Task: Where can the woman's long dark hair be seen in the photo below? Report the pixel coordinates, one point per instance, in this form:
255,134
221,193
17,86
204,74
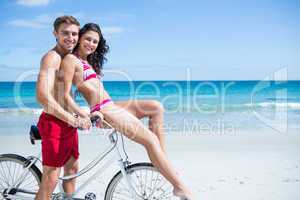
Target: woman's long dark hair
96,59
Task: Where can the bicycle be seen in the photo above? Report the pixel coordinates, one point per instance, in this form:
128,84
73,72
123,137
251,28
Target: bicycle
20,177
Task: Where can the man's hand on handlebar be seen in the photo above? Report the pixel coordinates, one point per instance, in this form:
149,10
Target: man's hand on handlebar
83,123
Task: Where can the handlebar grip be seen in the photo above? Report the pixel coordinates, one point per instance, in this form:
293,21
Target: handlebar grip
94,119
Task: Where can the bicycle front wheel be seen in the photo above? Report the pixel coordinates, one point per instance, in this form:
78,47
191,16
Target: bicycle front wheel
16,180
147,182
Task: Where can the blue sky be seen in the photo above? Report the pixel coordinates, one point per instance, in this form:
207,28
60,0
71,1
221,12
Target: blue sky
161,39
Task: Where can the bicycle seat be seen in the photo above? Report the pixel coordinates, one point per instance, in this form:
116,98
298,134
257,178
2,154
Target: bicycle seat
34,134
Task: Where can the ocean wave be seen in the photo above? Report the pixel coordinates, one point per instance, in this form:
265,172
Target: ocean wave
34,111
281,99
215,108
289,105
201,108
29,111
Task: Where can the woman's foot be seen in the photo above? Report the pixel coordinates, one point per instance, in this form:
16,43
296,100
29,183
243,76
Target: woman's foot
183,195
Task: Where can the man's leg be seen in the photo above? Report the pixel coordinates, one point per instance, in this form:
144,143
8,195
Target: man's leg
71,167
148,108
48,184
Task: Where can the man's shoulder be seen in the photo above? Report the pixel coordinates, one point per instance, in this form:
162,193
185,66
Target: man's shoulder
52,54
51,60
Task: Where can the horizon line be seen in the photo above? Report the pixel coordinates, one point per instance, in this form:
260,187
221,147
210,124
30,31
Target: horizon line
241,80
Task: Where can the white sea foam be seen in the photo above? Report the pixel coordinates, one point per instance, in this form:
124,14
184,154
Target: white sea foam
289,105
233,107
31,111
35,111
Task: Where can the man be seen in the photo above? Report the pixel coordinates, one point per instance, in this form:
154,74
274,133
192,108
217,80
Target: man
57,126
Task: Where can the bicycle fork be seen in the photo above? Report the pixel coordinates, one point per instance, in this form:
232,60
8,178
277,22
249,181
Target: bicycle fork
123,165
14,189
30,161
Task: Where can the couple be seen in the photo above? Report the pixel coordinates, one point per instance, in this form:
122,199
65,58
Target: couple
77,59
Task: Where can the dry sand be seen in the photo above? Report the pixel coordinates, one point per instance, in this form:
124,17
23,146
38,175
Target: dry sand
262,165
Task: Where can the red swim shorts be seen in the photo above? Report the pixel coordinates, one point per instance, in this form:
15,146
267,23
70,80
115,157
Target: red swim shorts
59,140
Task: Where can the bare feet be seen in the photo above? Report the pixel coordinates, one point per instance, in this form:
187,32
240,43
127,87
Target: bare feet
183,194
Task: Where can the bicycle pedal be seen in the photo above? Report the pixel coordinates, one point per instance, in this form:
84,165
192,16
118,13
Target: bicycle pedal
90,196
58,196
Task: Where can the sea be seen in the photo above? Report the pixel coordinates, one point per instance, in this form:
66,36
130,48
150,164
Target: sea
191,107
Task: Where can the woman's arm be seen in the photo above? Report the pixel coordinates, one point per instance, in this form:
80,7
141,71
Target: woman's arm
68,69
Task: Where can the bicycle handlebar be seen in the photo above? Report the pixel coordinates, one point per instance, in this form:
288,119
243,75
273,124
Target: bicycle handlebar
94,120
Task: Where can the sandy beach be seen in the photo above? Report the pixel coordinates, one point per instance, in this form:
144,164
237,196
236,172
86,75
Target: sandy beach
247,165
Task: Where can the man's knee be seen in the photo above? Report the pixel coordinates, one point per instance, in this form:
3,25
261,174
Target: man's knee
74,169
71,169
50,176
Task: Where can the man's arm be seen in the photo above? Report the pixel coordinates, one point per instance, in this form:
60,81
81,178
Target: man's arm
45,86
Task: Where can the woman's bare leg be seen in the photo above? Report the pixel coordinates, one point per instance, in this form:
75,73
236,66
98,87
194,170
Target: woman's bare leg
134,129
148,108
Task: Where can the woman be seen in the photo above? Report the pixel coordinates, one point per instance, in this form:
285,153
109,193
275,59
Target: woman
77,69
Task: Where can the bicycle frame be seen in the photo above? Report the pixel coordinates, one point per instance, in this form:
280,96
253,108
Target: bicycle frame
123,163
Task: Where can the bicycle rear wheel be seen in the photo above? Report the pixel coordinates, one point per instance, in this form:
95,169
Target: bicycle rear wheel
148,183
16,182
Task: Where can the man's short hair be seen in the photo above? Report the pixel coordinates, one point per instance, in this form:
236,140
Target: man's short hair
67,19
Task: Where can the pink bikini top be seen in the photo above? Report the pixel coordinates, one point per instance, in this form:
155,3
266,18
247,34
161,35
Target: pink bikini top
88,71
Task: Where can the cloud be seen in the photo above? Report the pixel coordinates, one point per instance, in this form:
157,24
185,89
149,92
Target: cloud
26,24
7,67
3,66
46,20
31,3
5,52
113,17
78,15
41,21
112,30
